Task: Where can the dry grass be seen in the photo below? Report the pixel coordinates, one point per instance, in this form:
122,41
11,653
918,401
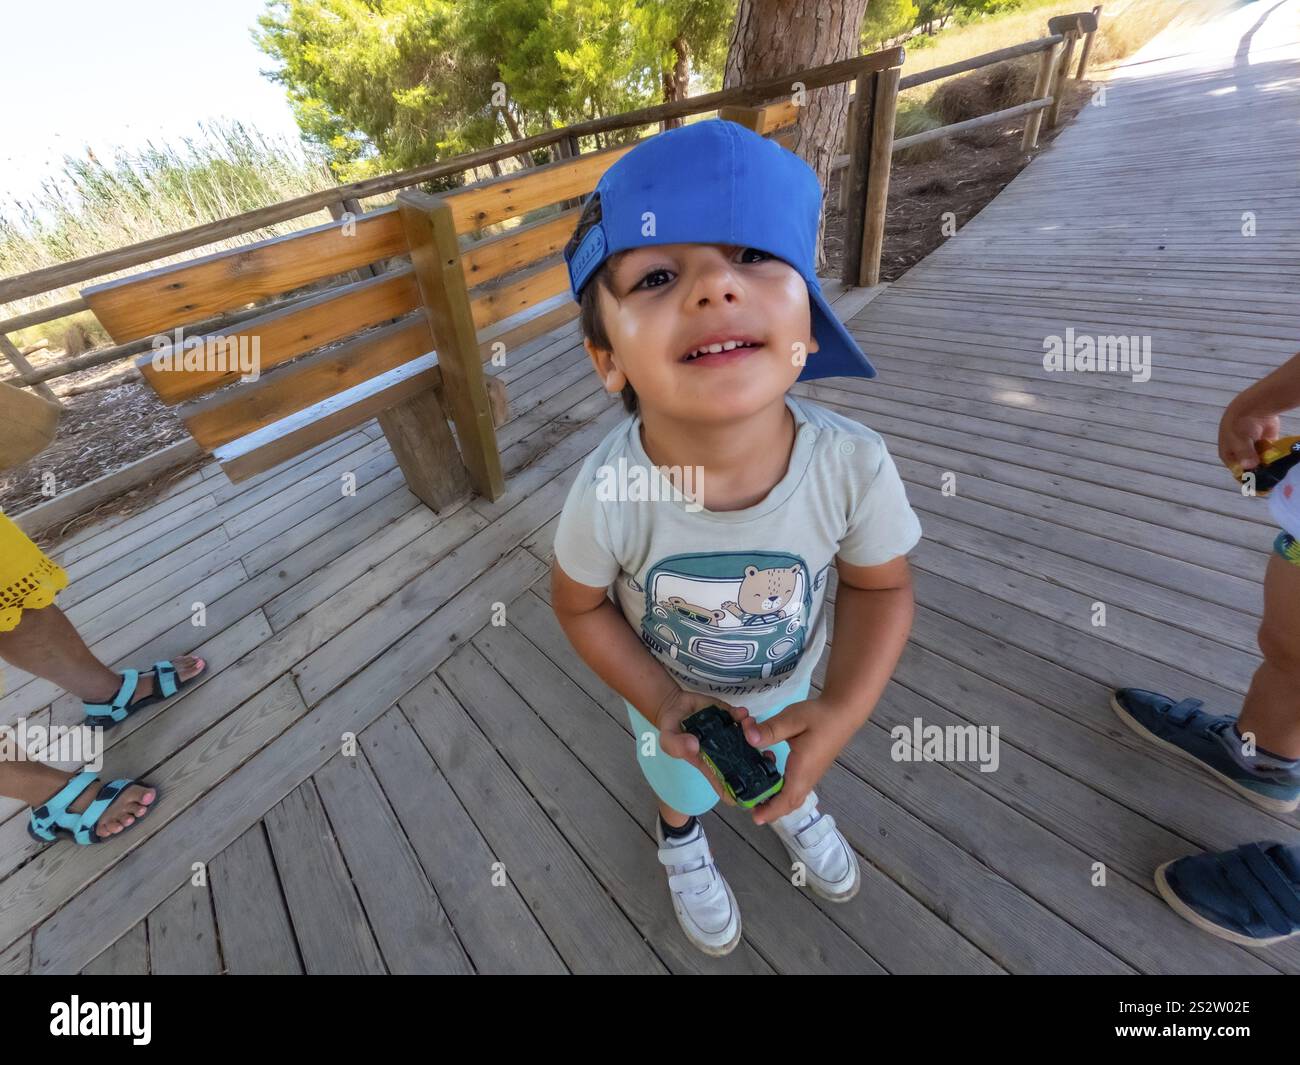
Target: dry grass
1126,25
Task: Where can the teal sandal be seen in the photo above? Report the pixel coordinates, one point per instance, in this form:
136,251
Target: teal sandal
167,684
53,819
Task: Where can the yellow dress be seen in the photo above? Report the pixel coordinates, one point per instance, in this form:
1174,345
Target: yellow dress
29,579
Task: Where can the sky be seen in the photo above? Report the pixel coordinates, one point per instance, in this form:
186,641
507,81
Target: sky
115,73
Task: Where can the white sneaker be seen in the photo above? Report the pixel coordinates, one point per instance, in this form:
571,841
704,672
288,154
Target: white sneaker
811,837
705,907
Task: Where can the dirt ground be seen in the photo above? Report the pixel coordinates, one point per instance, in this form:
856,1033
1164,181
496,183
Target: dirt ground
973,168
119,419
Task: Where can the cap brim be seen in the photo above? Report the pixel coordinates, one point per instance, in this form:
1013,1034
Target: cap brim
837,354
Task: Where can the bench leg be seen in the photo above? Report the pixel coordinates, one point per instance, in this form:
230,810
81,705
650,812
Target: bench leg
418,432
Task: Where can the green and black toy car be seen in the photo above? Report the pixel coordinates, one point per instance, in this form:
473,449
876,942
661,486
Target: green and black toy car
748,777
1276,459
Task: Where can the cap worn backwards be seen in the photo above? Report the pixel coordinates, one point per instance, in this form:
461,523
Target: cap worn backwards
716,182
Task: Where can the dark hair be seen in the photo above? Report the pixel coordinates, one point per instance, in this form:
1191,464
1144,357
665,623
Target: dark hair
593,326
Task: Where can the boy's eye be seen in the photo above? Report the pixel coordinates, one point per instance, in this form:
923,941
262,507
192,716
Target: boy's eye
661,270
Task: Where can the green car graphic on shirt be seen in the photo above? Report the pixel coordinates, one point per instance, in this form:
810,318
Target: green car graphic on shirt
728,616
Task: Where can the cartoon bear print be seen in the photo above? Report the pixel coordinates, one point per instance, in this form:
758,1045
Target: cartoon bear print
690,610
763,594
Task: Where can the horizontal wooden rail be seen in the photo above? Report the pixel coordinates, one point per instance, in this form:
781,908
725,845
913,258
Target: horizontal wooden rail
991,119
63,274
285,332
144,304
46,314
1014,51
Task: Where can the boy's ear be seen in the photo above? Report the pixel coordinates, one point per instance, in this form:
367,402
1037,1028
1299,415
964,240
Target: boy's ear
603,361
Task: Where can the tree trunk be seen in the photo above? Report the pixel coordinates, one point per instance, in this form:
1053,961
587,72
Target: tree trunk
677,80
773,37
525,160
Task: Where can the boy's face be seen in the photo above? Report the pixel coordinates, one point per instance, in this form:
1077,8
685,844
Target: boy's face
668,299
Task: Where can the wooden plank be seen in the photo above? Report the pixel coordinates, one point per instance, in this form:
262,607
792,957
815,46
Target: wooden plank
67,505
495,303
35,890
568,705
270,446
232,413
330,925
279,335
493,923
129,956
16,959
516,248
183,935
410,925
584,925
280,765
155,301
256,935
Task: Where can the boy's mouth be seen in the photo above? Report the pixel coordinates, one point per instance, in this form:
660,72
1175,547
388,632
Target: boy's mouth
716,352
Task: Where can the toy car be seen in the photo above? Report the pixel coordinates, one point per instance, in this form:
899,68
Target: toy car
1276,459
748,777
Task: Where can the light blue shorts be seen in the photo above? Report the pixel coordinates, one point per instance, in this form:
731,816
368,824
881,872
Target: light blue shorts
679,784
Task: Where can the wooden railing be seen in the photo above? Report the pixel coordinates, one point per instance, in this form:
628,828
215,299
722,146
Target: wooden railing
869,141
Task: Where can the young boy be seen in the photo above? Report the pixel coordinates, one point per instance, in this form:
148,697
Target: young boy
1249,895
694,265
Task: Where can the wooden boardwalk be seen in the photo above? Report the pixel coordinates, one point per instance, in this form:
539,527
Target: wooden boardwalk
490,817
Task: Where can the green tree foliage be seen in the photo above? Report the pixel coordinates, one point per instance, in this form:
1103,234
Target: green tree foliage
383,85
935,13
887,19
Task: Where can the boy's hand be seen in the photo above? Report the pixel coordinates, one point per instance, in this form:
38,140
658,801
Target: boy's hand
1239,430
816,736
678,744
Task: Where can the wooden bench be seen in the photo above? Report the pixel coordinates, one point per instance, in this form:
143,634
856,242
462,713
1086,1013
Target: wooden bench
406,344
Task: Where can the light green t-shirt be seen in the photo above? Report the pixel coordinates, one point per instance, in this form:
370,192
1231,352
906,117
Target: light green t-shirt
731,601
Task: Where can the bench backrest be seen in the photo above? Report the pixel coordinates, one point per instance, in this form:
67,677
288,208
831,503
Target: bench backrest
420,283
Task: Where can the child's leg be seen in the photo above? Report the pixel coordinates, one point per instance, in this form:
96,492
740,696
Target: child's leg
682,789
1272,707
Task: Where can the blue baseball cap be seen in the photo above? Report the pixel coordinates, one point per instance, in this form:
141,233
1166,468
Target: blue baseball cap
716,182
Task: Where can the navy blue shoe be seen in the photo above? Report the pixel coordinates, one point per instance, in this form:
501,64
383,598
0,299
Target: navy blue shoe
1249,896
1184,728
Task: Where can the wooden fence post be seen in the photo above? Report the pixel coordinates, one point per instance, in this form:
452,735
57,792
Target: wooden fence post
353,207
435,256
1087,44
849,126
874,154
568,148
26,371
871,142
1058,87
1042,88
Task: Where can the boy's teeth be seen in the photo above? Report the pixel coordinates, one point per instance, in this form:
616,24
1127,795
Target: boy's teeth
713,349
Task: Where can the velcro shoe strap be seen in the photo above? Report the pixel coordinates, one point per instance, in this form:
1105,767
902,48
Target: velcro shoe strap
1279,889
811,838
685,854
690,882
